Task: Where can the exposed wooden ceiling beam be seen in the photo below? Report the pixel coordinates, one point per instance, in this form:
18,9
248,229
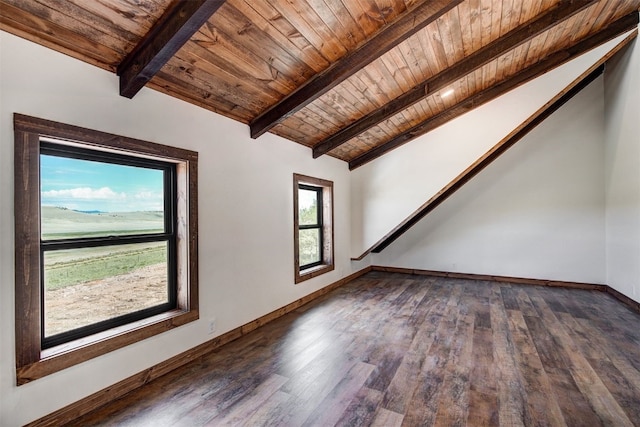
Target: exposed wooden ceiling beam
382,42
497,150
174,28
479,58
617,28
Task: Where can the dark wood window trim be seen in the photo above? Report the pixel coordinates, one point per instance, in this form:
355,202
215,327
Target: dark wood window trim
33,362
327,259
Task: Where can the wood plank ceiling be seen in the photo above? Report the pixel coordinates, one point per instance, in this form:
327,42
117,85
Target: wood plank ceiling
348,78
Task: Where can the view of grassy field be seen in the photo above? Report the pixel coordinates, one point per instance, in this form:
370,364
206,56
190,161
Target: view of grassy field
73,277
61,223
75,266
70,267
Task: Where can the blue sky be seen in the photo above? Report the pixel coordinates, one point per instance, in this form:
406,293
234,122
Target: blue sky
85,186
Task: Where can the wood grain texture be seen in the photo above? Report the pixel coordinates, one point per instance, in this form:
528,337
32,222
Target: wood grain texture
465,65
484,83
27,247
454,352
496,89
326,72
382,42
174,28
116,391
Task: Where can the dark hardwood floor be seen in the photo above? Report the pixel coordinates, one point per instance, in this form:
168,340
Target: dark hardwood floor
395,349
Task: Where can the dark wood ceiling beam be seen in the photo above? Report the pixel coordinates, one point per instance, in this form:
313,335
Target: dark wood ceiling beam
514,38
382,42
174,28
617,28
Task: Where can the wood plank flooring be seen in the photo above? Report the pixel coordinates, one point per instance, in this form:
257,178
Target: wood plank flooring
394,349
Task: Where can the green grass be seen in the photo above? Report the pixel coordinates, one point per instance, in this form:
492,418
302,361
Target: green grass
59,223
75,266
72,267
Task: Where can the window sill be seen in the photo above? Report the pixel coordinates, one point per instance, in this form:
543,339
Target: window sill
309,273
72,353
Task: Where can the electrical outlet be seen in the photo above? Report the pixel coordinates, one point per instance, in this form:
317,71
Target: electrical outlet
212,325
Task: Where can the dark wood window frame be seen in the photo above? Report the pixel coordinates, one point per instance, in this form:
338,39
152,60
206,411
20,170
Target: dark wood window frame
32,360
326,264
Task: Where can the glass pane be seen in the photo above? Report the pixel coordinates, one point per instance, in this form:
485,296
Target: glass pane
81,198
89,285
309,246
307,207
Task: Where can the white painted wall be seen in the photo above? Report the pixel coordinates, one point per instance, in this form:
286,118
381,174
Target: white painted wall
622,171
245,211
563,204
389,189
536,212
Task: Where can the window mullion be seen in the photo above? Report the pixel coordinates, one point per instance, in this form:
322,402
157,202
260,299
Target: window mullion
309,226
103,241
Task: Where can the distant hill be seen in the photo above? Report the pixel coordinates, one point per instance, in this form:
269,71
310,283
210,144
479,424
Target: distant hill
61,222
89,212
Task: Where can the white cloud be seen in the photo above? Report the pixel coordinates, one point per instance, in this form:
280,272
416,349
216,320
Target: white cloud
148,195
84,193
103,199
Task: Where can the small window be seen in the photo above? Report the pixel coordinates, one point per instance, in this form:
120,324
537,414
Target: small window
309,226
106,243
313,219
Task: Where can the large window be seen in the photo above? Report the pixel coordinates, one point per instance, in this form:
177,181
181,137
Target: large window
105,243
108,240
313,220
